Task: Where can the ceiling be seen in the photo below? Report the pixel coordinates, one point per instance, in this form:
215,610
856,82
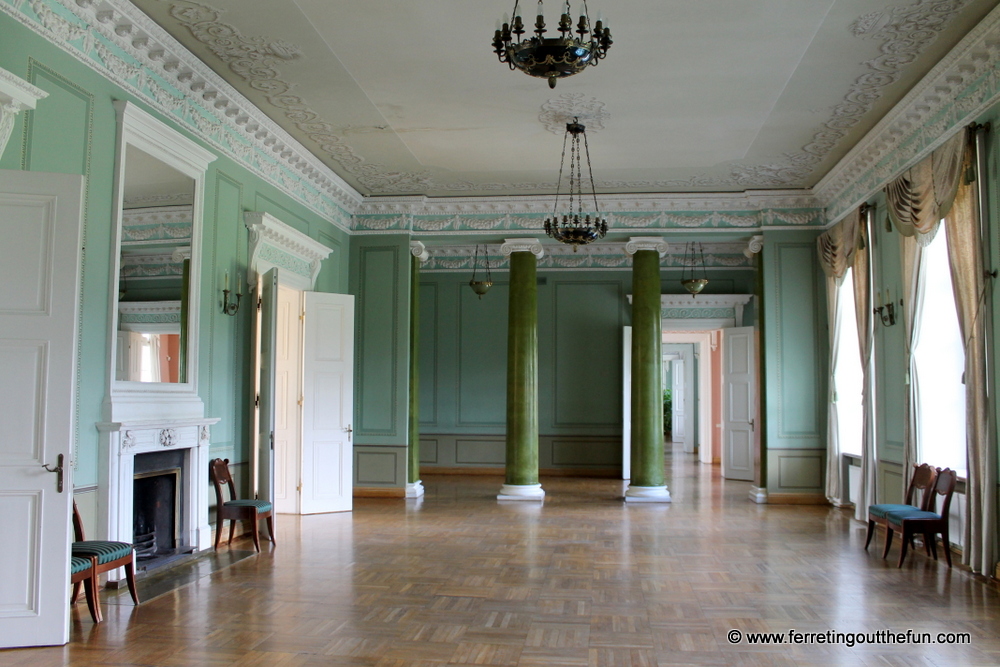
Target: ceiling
407,98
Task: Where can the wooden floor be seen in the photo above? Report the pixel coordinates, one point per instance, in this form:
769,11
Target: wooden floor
460,579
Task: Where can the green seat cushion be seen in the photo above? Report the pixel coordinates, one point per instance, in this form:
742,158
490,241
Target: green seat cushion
896,518
879,511
105,551
261,505
78,565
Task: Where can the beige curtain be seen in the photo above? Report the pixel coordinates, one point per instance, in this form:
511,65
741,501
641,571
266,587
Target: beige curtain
965,258
911,256
920,197
837,248
862,302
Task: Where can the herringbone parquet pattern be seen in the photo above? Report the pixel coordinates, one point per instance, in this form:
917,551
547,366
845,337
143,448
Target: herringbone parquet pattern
583,580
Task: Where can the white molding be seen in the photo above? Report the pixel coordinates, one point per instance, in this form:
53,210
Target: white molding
755,246
528,244
414,489
16,95
655,243
266,230
419,250
156,400
758,495
149,307
521,492
647,494
941,103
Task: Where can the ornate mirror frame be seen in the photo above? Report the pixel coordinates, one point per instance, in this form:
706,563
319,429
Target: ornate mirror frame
128,401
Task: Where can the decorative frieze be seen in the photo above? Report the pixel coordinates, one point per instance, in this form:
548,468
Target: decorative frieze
275,244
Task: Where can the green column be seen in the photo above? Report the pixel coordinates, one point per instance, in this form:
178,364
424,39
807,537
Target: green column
521,481
647,483
414,487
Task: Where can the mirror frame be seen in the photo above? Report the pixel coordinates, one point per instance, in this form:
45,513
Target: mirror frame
127,401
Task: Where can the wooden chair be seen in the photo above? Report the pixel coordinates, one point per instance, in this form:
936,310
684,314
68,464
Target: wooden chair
236,509
84,570
928,523
922,479
109,555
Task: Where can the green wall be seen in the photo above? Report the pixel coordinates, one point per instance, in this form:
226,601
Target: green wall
73,131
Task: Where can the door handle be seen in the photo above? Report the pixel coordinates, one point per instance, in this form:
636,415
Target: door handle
752,426
349,432
58,470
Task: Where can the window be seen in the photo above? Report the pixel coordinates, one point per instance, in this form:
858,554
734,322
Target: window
848,375
939,357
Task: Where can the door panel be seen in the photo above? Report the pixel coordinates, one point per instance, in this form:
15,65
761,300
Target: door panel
328,403
627,404
739,396
288,414
268,311
40,217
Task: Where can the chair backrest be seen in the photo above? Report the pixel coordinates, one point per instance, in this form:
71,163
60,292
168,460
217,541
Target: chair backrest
944,486
923,479
77,525
218,471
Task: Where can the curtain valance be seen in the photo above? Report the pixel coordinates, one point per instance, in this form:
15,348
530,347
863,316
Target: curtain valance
837,246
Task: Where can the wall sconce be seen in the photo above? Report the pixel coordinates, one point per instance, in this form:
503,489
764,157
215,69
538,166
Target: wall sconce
886,311
231,308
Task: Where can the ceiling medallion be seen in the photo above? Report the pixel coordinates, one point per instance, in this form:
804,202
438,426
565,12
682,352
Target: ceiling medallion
575,228
552,58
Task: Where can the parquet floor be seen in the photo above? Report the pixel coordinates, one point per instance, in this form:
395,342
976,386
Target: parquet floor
583,580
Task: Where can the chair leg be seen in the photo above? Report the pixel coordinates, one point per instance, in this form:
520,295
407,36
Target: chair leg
270,527
90,585
871,531
255,531
946,545
232,530
219,523
76,593
903,547
888,541
130,578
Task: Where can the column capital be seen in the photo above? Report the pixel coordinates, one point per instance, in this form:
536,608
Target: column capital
637,243
755,246
529,244
419,250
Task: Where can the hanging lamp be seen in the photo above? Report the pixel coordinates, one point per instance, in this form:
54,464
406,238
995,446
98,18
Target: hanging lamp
481,287
690,279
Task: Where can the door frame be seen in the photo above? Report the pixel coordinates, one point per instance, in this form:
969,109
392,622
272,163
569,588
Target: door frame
705,343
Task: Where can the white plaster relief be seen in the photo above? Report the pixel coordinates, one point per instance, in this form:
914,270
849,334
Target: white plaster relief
559,111
16,95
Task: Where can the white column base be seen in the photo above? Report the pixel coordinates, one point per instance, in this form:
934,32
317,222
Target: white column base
758,494
521,492
647,494
414,489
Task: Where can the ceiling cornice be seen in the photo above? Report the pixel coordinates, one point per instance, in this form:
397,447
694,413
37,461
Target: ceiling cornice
962,86
122,43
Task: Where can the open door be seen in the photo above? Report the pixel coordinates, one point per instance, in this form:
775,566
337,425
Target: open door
739,400
328,403
40,226
266,329
627,403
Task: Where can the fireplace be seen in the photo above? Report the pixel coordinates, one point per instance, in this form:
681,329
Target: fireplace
157,508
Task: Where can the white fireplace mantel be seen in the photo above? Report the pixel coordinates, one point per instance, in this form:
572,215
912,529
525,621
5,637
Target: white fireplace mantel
121,442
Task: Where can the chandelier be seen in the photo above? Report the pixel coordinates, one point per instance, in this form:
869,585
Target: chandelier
694,283
551,57
574,227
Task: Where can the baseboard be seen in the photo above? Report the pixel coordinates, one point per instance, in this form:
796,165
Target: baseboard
379,492
608,473
797,499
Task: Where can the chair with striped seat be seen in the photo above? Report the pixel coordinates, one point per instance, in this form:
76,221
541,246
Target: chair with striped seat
921,480
237,509
84,570
109,555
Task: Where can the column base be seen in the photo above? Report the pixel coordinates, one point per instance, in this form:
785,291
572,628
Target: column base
758,494
647,494
414,489
521,492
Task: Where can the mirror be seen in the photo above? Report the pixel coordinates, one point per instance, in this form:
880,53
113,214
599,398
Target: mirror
153,270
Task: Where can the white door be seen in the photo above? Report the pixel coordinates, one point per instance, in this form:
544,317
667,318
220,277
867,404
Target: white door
266,311
328,403
40,272
627,403
739,400
288,395
678,402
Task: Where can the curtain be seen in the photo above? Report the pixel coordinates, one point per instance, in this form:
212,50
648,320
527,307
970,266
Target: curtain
911,255
862,302
837,248
921,196
966,261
